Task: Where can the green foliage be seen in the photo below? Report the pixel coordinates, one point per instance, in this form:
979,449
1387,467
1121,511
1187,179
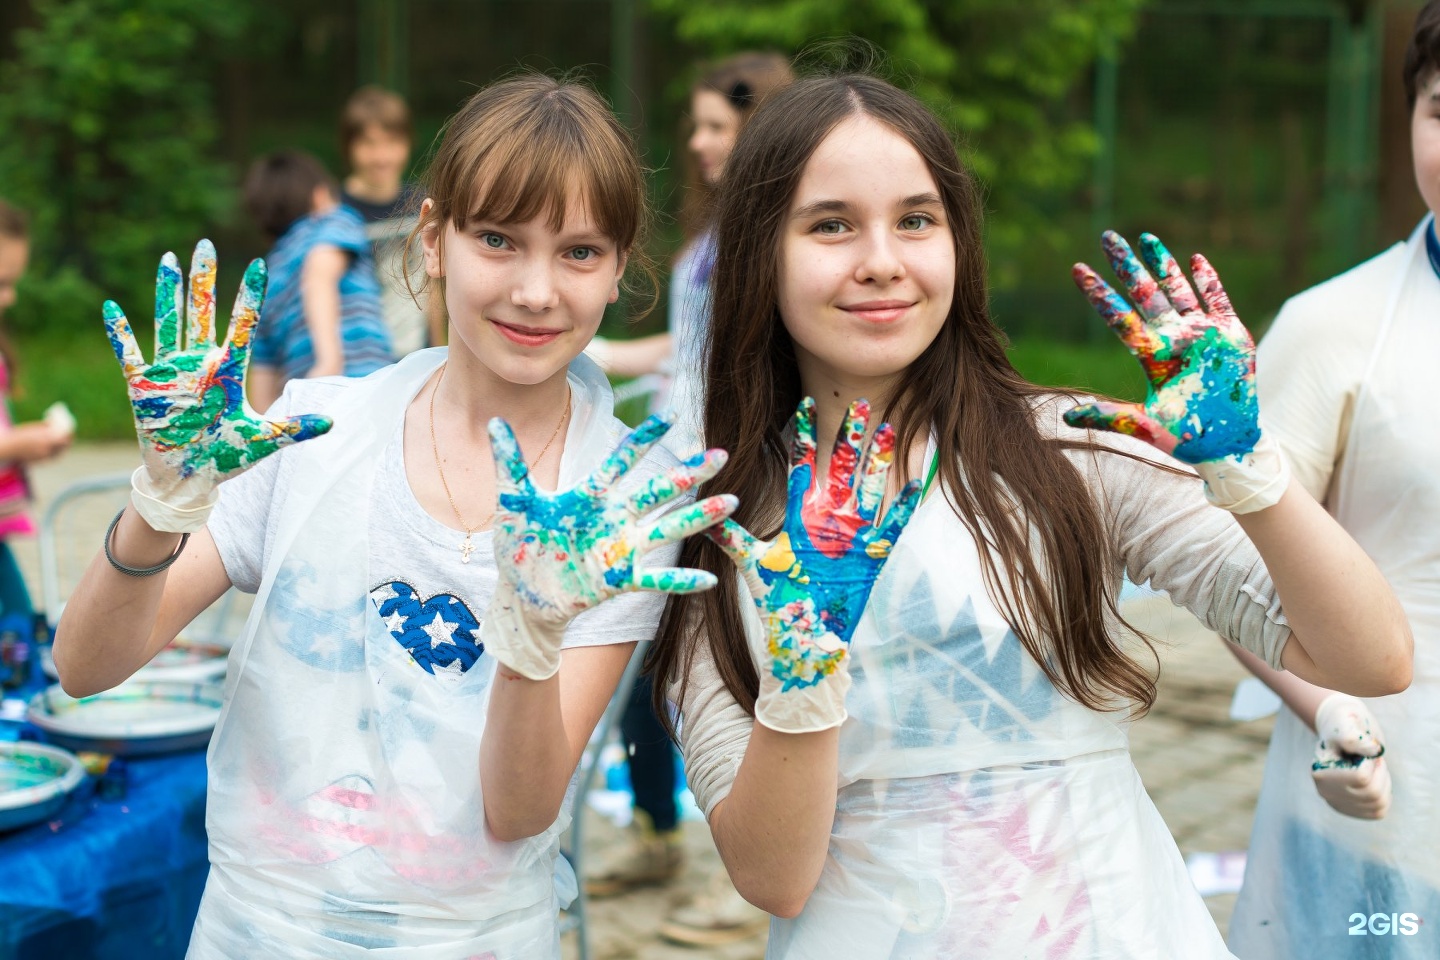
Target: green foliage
1002,74
107,137
80,370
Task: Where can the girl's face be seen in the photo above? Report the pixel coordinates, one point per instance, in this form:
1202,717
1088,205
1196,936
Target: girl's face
524,299
717,124
867,259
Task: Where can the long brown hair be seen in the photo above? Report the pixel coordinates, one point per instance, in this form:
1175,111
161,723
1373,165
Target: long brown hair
745,80
1049,553
527,147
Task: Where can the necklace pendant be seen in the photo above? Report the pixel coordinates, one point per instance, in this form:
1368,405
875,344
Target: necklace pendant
466,548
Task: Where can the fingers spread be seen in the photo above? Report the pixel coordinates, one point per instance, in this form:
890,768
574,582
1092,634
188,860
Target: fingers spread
896,519
200,320
672,483
1127,418
685,522
1217,301
845,457
167,307
1149,299
511,474
307,426
1163,265
876,471
673,580
635,445
246,314
122,339
1142,342
737,542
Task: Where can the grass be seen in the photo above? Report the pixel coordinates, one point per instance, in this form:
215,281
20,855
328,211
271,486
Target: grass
81,370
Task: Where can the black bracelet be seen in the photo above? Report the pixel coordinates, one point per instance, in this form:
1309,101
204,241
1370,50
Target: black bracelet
139,571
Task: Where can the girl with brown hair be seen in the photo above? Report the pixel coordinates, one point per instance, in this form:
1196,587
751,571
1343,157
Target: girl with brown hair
908,730
721,101
405,710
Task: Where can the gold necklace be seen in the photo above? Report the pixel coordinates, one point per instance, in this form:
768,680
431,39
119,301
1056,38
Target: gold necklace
466,546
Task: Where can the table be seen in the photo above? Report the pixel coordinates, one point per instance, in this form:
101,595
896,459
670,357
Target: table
109,878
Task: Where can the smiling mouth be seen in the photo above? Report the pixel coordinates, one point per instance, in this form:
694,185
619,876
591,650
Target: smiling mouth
526,336
879,311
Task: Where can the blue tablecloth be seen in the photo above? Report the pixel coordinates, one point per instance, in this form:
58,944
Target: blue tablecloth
109,879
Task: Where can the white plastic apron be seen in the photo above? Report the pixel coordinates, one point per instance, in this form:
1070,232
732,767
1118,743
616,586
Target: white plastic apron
982,815
1315,877
344,808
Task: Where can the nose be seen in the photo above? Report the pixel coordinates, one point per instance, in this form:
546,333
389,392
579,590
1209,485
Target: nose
696,143
881,261
535,288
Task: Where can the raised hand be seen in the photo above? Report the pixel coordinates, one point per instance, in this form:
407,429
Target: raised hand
194,424
1199,362
562,553
811,583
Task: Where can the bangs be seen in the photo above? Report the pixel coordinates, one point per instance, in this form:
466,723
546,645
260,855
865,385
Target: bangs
538,157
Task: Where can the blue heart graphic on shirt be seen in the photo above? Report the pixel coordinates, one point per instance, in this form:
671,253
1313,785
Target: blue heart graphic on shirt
440,632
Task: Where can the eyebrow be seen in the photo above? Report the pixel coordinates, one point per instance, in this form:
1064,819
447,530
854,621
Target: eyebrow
816,207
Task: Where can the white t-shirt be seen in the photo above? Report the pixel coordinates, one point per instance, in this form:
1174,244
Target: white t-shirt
432,603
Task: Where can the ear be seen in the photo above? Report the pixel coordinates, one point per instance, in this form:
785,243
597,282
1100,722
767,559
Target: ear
430,243
619,275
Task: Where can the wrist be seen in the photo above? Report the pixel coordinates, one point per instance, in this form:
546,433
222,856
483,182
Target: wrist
1247,483
183,506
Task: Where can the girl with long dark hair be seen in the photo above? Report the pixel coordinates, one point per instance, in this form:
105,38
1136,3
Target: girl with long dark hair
906,717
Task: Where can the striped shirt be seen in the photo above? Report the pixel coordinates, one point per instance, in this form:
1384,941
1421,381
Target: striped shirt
282,339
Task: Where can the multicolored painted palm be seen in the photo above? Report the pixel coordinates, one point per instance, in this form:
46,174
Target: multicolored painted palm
811,583
561,553
1198,357
194,424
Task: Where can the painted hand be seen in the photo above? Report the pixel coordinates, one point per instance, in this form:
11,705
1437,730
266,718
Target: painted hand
562,553
811,583
194,425
1349,770
1199,361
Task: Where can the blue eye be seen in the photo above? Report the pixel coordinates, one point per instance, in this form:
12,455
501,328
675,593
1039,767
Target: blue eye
584,253
493,240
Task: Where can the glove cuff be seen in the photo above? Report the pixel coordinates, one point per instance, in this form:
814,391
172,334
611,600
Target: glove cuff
527,648
1247,483
804,710
184,508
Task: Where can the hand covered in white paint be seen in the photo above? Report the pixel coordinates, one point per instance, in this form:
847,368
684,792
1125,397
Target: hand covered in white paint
1349,769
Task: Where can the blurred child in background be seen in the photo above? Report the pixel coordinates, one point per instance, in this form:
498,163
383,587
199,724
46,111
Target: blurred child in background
20,443
322,310
376,135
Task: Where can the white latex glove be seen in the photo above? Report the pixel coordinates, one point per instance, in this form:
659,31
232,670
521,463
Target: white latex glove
1200,360
811,583
194,425
561,553
1349,768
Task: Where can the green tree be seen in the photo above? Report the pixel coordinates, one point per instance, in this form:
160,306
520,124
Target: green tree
1003,75
108,136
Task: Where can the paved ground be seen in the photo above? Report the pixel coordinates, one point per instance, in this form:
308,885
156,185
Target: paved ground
1202,769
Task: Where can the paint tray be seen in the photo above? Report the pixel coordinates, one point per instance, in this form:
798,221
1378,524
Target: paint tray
136,718
35,779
